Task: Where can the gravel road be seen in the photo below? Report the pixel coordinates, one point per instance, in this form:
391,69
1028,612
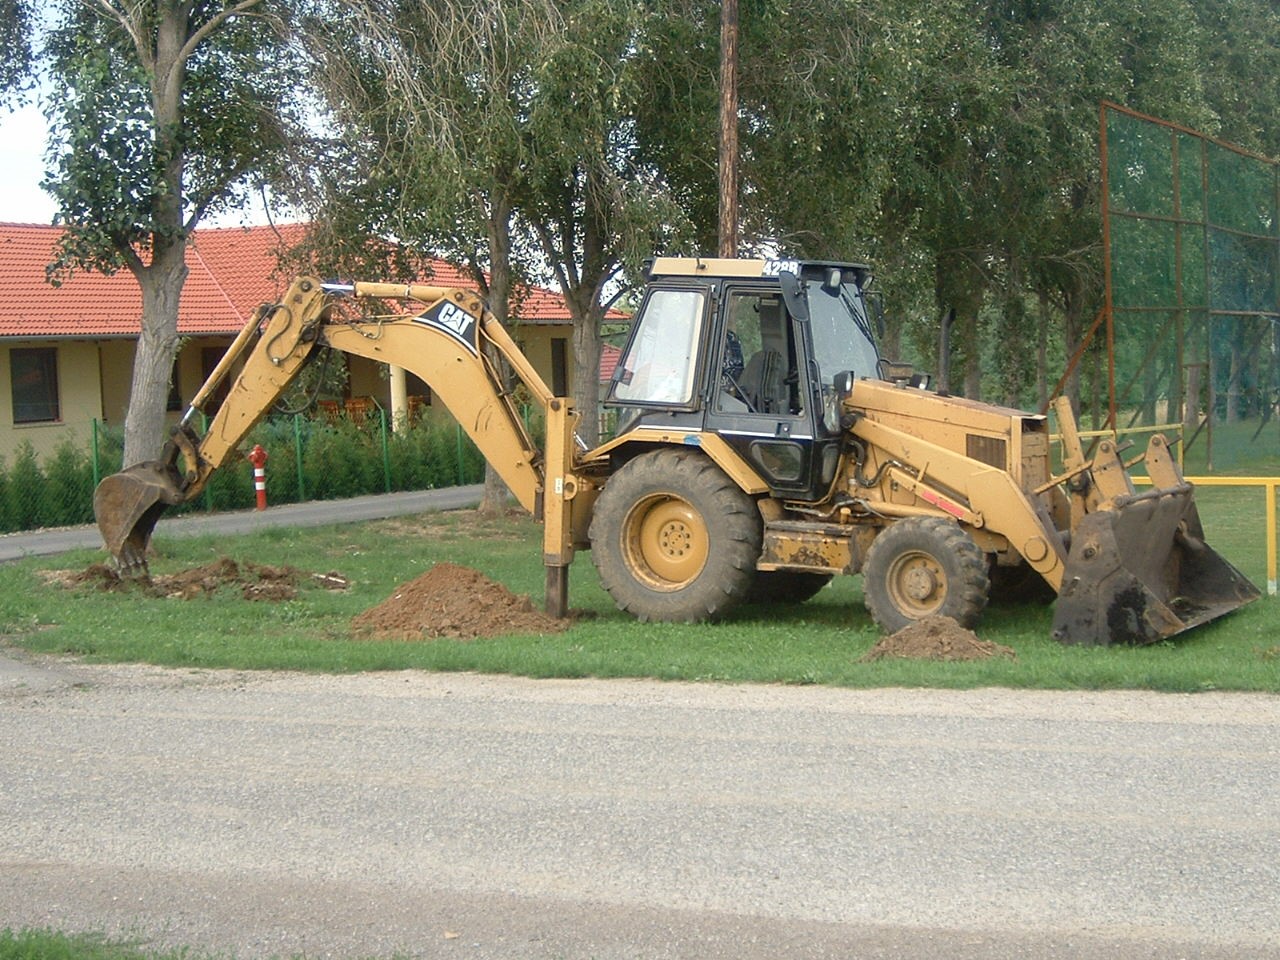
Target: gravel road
491,817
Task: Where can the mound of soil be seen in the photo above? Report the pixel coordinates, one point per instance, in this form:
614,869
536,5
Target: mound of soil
452,601
256,581
936,638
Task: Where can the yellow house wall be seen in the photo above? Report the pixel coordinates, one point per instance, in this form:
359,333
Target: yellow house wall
94,377
93,384
79,401
116,364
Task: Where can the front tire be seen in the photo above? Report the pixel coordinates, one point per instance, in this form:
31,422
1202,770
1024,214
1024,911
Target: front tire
674,539
922,567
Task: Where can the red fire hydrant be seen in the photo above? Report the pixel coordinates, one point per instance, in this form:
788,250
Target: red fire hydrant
258,457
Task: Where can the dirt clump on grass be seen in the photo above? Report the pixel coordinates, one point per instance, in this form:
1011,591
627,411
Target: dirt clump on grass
256,581
936,638
452,601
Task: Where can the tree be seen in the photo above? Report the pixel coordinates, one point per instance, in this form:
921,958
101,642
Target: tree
501,136
15,45
166,111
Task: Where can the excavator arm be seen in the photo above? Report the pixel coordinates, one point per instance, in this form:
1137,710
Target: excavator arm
443,335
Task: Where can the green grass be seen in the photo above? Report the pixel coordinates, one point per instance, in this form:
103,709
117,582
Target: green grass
47,945
27,944
817,642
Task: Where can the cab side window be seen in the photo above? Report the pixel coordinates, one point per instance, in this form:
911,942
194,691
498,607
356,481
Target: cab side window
661,360
763,380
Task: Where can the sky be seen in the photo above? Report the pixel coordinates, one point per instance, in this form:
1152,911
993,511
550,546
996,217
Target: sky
23,136
22,142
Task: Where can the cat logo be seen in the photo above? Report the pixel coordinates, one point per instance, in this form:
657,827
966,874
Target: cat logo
451,319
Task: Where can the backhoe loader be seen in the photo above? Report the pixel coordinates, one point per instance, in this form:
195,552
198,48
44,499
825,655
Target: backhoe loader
763,447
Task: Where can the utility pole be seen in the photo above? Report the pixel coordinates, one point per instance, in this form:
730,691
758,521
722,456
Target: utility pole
728,227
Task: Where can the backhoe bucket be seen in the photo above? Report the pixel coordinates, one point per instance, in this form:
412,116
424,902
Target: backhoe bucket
1140,571
127,506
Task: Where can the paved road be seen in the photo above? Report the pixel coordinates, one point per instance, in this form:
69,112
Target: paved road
314,513
465,816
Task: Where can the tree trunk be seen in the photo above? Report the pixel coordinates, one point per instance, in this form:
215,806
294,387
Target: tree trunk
162,279
1042,353
496,495
586,370
728,231
161,285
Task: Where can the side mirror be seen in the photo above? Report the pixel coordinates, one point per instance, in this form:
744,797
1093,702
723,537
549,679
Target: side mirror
793,296
833,415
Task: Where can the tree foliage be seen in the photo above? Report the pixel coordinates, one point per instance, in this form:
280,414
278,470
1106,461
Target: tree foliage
166,111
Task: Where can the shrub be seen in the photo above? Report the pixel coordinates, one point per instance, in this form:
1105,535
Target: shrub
338,460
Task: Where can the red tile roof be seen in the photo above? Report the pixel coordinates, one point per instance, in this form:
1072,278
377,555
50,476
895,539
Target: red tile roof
232,271
609,357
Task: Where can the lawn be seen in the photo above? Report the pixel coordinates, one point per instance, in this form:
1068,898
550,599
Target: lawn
820,642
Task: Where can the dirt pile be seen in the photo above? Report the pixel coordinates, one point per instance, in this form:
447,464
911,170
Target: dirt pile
452,601
936,638
255,581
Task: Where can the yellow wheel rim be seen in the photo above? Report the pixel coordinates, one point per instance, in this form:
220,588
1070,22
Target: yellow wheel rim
917,584
665,542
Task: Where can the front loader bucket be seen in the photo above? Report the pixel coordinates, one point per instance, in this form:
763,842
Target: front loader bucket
1142,572
127,506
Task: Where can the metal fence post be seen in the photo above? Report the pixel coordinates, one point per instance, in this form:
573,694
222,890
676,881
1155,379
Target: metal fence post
386,451
458,458
97,470
297,456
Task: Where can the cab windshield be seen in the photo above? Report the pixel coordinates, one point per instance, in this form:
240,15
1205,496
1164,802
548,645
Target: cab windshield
840,329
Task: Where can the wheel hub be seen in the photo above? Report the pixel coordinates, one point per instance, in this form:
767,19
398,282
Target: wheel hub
667,542
920,583
917,584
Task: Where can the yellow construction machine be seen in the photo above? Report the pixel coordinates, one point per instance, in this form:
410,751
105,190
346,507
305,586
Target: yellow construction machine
763,447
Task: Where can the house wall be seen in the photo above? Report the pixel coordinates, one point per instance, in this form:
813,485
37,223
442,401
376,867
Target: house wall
115,359
79,402
94,378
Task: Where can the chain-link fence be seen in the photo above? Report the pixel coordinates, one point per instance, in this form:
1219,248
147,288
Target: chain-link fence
1192,240
308,460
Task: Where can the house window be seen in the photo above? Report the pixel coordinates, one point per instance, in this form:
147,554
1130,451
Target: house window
559,366
33,374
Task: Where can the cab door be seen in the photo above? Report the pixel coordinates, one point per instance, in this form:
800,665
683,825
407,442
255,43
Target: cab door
757,399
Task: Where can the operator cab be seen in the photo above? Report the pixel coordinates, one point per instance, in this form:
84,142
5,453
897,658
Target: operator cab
750,350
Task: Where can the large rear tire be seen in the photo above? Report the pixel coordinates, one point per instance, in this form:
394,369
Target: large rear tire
922,567
674,539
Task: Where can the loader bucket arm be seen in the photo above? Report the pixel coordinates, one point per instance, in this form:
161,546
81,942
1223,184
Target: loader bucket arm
274,345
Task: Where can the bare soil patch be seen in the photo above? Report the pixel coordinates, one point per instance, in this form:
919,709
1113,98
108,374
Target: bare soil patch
452,601
256,581
936,638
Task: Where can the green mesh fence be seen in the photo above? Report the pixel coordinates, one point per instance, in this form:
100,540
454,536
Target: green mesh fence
1192,229
308,460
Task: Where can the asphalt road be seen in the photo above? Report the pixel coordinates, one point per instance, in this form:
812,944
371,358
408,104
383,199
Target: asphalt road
492,817
314,513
